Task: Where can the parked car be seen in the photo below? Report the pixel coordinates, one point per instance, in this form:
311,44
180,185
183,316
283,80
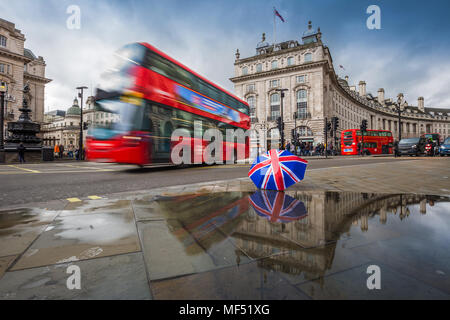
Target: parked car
444,149
412,146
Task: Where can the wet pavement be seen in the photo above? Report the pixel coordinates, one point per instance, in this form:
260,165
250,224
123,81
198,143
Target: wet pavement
208,242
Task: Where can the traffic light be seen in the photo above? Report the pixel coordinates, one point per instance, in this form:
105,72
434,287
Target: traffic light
85,125
335,121
328,126
280,124
364,125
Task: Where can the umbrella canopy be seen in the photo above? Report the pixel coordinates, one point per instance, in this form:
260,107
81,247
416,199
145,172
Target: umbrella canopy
276,206
277,170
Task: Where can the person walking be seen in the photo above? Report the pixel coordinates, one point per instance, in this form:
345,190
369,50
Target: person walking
288,146
21,151
61,151
56,150
70,153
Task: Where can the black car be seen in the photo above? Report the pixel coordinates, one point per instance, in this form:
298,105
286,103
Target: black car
412,146
444,150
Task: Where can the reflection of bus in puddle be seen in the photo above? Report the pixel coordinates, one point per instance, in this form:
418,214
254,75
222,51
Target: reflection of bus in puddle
204,218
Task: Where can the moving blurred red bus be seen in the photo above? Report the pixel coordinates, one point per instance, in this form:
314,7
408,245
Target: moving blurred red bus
146,96
375,142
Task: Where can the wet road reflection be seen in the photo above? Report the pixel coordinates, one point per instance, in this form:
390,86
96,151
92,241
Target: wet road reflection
232,245
303,245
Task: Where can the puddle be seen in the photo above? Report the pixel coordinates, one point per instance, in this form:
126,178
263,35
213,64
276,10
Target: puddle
314,243
246,245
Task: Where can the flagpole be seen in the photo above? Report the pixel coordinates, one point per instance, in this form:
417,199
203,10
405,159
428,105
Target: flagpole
274,27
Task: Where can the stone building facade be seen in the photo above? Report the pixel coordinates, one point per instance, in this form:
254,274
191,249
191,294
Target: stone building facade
315,92
18,67
63,127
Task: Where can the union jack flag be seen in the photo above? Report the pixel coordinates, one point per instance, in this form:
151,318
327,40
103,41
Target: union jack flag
277,206
277,170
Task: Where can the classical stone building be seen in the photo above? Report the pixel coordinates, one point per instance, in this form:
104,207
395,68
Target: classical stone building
19,66
315,92
63,127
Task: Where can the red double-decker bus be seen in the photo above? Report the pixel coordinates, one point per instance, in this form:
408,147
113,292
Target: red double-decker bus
375,142
146,96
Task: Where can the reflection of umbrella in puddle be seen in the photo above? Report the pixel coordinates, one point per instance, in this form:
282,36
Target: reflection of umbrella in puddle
277,206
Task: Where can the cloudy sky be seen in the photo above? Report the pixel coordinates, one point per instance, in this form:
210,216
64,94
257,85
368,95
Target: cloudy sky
409,54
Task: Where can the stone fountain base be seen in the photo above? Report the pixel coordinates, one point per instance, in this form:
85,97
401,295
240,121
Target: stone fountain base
32,155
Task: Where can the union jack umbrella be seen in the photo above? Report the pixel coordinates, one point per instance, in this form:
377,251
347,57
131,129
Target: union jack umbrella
277,206
277,170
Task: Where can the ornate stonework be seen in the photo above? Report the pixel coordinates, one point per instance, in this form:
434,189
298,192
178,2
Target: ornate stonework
20,67
308,67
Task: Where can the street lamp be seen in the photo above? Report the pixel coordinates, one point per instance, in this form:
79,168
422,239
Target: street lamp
281,112
398,108
80,95
3,90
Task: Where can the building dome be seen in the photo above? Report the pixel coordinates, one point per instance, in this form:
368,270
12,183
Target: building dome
74,110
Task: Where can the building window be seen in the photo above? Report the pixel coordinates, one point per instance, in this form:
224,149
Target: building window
274,64
244,71
251,87
2,68
301,79
3,41
274,83
251,103
275,106
302,104
290,61
259,67
308,57
304,131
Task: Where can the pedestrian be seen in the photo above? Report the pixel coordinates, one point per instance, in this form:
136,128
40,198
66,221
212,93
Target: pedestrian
56,150
61,151
288,146
21,150
71,148
396,149
359,148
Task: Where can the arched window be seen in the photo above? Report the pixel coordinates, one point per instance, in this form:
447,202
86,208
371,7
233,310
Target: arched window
308,57
274,64
302,104
244,71
290,61
259,67
275,106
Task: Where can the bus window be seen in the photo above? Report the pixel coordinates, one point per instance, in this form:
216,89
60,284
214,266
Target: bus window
348,134
372,145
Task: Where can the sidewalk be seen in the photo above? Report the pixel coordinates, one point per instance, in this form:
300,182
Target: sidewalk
179,243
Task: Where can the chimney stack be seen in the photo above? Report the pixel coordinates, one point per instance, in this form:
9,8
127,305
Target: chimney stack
362,88
421,104
381,96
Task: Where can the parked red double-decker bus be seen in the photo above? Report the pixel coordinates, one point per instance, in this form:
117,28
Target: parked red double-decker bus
146,96
375,141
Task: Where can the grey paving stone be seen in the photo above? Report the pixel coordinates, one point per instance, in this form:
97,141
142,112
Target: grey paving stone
117,277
